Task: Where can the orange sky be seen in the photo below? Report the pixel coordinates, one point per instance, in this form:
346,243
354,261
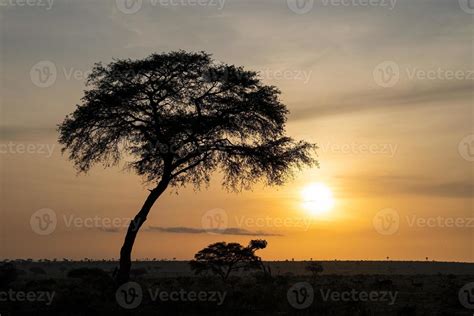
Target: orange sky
395,152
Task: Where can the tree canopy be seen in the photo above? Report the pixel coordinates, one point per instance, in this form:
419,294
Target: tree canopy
223,258
178,117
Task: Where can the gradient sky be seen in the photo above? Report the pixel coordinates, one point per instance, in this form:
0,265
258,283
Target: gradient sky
399,145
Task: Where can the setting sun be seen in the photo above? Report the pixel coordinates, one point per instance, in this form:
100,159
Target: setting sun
317,198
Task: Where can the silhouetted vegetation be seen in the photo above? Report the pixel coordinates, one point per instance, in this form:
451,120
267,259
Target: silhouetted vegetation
223,258
179,117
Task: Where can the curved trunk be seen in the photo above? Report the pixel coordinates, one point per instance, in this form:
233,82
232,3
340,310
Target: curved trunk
125,263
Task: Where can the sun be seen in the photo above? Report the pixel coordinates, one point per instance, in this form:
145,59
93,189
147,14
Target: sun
317,198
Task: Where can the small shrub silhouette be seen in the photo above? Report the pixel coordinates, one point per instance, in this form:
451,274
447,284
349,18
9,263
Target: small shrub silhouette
224,258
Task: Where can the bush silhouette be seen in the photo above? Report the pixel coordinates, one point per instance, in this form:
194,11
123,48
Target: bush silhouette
224,258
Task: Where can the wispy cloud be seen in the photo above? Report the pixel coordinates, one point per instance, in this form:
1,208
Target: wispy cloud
412,185
386,99
228,231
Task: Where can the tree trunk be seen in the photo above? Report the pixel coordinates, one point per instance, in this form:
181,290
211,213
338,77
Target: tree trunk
125,263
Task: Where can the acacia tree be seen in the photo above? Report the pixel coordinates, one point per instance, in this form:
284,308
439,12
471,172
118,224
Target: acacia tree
177,117
223,258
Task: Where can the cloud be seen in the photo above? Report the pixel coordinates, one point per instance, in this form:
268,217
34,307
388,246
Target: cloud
17,133
440,94
458,189
228,231
412,185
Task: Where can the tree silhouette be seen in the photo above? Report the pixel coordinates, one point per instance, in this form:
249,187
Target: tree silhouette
178,117
223,258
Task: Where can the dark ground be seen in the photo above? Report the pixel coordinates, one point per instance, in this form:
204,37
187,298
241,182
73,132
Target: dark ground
169,288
